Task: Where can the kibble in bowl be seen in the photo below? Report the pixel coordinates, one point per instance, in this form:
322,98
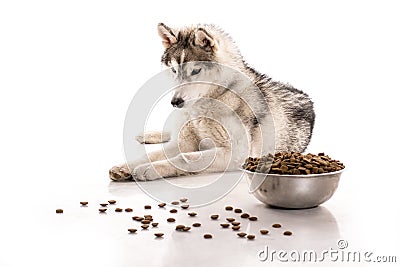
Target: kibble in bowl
293,180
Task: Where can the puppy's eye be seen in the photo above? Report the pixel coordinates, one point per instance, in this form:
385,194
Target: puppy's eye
173,70
195,71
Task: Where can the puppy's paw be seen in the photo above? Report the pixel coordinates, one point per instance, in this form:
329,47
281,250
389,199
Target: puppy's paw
120,173
145,172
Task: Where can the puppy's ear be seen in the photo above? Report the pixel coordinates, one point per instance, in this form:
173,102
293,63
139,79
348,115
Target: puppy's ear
167,35
205,40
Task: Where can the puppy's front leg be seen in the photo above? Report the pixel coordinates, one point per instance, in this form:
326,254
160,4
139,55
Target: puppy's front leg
122,172
213,160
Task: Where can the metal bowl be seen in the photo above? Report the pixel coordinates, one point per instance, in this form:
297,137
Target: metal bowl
293,191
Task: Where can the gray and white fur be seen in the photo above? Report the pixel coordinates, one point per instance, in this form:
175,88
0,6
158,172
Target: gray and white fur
189,55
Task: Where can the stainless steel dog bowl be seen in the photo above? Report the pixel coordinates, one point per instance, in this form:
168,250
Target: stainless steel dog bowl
293,191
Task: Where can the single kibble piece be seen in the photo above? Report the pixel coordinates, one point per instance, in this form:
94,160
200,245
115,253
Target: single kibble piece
287,233
224,225
276,225
173,211
179,227
148,216
170,220
118,210
253,218
245,216
214,216
154,224
235,223
145,226
162,205
207,236
264,231
112,201
145,221
230,219
235,228
241,234
228,208
139,219
158,234
147,207
196,224
132,230
186,206
128,210
175,202
103,204
187,228
135,218
102,210
192,214
59,211
238,210
251,237
183,199
84,203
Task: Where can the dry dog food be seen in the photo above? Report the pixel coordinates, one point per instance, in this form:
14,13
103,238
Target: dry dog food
214,217
287,233
183,199
235,227
84,203
264,231
145,226
207,236
173,211
244,215
145,221
230,219
171,220
154,224
235,223
192,214
112,201
158,234
196,224
59,211
276,225
147,207
253,218
241,234
162,205
186,228
238,211
139,218
251,237
224,225
293,163
118,210
128,210
179,227
175,202
132,230
102,210
185,206
103,204
228,208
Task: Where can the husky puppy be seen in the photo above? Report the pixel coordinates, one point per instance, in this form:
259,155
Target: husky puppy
187,52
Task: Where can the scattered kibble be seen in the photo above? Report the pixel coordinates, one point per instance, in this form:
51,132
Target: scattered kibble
147,207
214,216
238,210
158,234
196,224
179,227
103,204
154,224
235,223
253,218
132,230
241,234
186,228
118,210
171,220
276,225
183,199
145,221
186,206
236,227
173,211
102,210
244,215
112,201
287,233
128,210
175,202
192,214
251,237
59,211
207,236
228,208
162,205
264,231
145,226
224,225
84,203
230,219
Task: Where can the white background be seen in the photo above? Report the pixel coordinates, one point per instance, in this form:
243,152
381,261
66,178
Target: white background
69,69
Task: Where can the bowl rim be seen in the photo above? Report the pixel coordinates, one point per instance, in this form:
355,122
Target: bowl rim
297,176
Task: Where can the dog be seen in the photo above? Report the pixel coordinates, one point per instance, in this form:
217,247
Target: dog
267,110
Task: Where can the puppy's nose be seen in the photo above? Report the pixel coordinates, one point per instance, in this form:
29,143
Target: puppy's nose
177,102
